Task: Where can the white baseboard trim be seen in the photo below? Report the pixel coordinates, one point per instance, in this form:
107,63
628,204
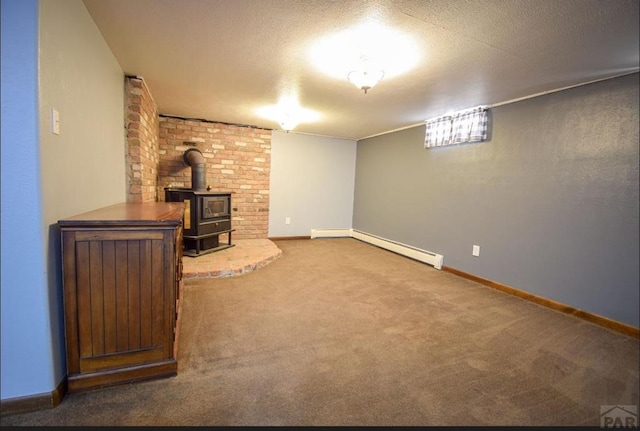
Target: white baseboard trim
330,233
428,257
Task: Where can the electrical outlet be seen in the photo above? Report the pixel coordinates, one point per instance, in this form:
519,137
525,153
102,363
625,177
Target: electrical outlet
476,250
287,220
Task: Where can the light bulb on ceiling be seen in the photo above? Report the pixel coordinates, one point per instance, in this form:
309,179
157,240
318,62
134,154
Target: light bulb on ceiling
288,113
287,122
366,76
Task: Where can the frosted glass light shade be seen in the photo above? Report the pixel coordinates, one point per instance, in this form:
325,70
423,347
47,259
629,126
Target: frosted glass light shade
365,77
287,122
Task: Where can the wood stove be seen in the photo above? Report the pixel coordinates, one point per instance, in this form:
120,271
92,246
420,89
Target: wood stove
207,217
207,214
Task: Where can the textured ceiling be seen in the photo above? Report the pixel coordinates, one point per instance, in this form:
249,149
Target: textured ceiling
222,60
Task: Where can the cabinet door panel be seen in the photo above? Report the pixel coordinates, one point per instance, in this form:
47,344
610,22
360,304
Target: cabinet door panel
96,292
109,285
146,293
83,295
69,274
122,313
158,304
120,295
133,272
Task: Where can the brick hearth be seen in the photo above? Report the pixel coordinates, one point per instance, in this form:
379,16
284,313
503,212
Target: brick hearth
247,255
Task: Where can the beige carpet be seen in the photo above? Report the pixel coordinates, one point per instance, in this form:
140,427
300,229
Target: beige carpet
339,332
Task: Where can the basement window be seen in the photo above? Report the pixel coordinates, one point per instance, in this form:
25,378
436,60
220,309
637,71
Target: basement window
461,127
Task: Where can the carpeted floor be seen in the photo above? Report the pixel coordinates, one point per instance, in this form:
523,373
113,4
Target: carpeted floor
339,332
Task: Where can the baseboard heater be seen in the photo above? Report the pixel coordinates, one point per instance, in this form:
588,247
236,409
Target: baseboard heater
428,257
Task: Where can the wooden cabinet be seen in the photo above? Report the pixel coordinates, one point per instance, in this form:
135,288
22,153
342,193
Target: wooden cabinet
122,272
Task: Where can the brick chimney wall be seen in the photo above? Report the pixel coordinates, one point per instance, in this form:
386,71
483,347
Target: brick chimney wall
238,160
142,130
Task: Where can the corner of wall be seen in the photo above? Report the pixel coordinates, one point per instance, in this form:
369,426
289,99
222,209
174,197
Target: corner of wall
142,134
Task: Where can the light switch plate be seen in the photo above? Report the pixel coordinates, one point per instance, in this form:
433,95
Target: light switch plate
55,121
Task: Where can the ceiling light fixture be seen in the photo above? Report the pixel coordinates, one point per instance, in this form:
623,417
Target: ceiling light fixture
385,48
366,76
287,121
288,113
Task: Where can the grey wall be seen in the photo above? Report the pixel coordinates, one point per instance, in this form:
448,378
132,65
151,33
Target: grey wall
551,198
57,176
312,181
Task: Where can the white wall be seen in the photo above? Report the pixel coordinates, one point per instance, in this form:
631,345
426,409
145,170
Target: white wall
312,183
80,169
79,77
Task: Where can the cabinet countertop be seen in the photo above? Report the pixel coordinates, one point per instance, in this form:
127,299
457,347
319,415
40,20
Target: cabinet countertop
144,213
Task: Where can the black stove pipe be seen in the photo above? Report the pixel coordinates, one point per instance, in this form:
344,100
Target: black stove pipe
194,158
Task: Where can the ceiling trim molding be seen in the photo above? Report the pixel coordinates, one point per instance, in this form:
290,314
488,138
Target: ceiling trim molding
519,99
544,93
